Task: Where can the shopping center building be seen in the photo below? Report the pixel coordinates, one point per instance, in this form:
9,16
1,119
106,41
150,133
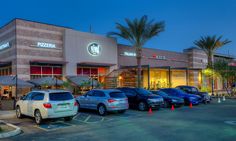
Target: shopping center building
34,50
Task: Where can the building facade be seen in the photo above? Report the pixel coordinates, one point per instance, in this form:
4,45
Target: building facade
34,50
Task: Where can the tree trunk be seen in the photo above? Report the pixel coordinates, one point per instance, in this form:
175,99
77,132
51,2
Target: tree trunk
139,57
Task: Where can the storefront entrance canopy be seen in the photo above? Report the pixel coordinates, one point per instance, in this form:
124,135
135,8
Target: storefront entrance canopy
82,81
93,64
2,64
11,81
48,81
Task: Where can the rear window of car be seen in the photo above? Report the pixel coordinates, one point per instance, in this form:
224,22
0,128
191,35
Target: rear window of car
117,95
60,96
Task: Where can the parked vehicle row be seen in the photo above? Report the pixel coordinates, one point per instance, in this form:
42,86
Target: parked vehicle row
47,104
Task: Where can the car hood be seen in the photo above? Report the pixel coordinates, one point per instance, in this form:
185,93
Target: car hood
153,96
173,97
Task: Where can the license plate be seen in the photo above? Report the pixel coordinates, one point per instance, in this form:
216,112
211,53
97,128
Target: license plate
63,106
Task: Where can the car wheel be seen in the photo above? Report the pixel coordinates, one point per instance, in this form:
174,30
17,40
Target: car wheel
18,112
68,118
101,110
142,106
78,105
121,111
38,117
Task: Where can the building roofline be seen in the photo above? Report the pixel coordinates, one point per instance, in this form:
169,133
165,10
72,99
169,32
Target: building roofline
153,49
14,19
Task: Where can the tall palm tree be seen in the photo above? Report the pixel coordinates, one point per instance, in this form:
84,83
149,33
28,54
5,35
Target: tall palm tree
209,44
138,32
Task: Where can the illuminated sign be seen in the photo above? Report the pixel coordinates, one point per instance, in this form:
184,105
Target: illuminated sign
159,57
129,53
5,45
94,49
45,45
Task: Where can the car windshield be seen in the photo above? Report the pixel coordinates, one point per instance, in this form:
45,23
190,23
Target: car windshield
179,91
143,91
60,96
161,93
117,95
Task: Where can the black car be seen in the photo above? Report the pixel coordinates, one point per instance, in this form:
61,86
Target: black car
142,99
169,100
205,97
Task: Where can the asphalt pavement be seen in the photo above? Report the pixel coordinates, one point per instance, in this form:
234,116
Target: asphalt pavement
211,122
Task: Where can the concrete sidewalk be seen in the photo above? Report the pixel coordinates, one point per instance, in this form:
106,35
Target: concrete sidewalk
7,114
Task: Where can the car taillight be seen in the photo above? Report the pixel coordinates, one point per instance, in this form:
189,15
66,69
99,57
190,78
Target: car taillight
75,104
47,105
111,100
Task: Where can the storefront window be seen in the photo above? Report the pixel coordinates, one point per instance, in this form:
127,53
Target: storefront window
178,77
38,71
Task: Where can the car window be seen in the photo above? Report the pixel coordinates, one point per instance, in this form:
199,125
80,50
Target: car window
60,96
90,93
28,96
129,92
161,93
143,91
38,96
117,95
98,94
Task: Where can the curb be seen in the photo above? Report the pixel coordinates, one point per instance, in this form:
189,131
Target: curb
11,133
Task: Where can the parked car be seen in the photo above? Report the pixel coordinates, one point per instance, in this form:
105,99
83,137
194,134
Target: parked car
188,98
142,99
47,104
169,100
205,97
104,101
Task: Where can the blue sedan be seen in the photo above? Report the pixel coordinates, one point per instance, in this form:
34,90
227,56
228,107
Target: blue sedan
188,98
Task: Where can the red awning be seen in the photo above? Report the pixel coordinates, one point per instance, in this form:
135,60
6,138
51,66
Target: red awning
232,64
93,64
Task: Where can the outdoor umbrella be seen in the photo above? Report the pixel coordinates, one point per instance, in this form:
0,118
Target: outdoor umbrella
83,81
11,81
49,81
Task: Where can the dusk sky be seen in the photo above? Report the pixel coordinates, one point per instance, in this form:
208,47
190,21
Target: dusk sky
186,20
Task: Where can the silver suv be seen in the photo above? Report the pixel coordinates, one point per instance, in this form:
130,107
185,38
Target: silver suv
104,101
44,104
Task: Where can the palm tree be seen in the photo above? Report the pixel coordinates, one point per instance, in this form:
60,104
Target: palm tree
209,44
138,32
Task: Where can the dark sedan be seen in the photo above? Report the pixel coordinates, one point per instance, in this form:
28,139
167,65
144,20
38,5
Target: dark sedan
188,98
142,99
205,97
169,100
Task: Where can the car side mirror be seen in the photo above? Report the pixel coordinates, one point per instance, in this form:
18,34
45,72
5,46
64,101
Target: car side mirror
22,98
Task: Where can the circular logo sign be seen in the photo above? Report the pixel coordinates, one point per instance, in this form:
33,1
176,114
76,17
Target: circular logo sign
94,49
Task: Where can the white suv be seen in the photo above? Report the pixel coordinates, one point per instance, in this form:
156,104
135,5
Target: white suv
44,104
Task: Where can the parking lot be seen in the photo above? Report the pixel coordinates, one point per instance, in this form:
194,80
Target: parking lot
215,121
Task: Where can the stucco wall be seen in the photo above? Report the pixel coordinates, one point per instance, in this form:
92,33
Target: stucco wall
172,59
76,49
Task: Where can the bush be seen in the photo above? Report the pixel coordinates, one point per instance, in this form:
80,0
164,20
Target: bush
0,129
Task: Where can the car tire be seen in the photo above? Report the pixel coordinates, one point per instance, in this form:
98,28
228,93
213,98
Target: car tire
142,106
38,117
18,112
68,118
121,111
101,109
78,105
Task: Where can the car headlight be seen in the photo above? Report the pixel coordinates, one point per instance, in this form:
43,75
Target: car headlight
174,100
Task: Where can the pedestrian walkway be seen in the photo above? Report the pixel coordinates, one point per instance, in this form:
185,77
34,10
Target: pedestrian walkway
7,114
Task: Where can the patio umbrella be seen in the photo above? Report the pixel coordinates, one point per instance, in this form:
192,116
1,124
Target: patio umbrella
11,81
49,81
82,81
